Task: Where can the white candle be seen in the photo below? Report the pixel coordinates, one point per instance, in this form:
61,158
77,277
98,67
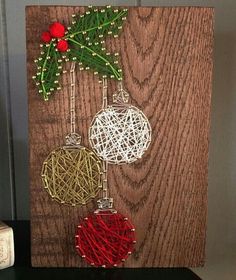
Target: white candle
7,255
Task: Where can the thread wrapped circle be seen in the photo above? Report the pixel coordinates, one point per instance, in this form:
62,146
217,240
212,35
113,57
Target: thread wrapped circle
105,239
120,134
72,175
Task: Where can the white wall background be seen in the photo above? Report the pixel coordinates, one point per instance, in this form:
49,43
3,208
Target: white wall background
14,192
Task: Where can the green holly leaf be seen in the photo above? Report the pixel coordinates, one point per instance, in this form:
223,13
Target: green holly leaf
86,39
49,68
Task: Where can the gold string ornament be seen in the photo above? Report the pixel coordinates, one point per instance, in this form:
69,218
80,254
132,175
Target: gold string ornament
72,174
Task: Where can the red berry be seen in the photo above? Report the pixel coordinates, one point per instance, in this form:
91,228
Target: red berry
46,37
57,30
62,45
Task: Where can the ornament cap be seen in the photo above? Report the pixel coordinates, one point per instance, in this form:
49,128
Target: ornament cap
73,139
105,204
121,96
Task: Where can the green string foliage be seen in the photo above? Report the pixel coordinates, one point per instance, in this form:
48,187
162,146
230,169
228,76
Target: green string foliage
49,67
85,38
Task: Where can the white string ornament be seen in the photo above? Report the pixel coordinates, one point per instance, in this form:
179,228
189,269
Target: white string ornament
120,133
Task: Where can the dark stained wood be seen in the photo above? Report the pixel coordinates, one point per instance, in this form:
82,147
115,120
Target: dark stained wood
166,55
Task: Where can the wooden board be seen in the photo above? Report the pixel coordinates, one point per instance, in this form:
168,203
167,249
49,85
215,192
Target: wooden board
166,54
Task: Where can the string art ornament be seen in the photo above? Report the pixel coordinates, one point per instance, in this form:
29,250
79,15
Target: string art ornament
72,174
105,238
120,133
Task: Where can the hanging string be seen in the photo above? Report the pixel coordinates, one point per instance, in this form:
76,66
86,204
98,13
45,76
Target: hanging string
104,163
72,98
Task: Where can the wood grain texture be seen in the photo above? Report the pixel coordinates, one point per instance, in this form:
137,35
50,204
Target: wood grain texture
166,54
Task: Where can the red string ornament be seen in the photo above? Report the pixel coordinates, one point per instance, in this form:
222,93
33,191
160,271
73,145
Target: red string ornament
105,238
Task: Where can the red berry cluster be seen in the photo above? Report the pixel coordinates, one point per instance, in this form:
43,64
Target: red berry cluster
56,30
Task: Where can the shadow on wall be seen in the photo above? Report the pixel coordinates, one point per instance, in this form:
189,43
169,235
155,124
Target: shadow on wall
222,164
14,186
